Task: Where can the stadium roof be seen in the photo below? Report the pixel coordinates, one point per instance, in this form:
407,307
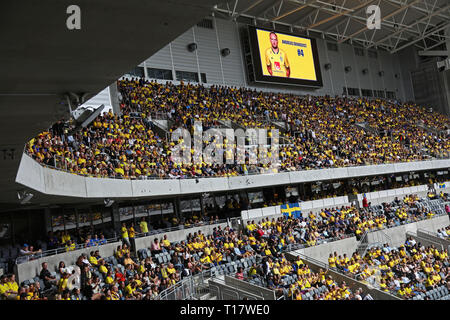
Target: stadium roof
41,60
403,22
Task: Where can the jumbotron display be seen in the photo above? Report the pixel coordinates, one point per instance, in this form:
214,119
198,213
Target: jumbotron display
284,58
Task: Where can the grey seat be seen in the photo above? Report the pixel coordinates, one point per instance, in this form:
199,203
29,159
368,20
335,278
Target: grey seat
142,254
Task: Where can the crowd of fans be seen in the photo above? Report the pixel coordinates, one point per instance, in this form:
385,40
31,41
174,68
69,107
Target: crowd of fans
305,283
406,271
320,132
128,275
444,233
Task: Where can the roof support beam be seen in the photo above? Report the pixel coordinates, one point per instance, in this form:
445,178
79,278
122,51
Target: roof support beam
427,12
430,53
249,7
364,4
382,19
411,25
430,33
294,10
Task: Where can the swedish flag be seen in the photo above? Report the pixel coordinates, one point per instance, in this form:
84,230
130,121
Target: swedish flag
441,185
291,210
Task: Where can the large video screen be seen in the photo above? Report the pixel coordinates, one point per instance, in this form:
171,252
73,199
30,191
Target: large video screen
284,58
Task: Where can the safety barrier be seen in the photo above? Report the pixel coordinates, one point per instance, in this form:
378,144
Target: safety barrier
56,182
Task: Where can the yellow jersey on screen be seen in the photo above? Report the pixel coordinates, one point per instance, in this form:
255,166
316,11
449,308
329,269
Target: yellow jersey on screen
278,62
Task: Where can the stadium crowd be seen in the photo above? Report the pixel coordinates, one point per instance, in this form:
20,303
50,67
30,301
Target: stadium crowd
407,271
444,233
320,132
128,275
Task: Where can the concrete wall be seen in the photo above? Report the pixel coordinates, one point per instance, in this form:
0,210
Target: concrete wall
174,236
379,197
322,251
248,287
428,235
55,182
31,269
397,235
426,241
223,291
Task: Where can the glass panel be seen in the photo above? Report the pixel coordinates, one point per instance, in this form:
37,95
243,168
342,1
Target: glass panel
220,201
138,71
84,218
167,207
185,206
57,222
70,220
107,216
96,218
291,191
315,187
196,205
126,213
208,201
5,228
154,209
255,197
140,211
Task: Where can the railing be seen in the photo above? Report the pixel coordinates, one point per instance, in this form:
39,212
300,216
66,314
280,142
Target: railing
182,290
51,252
433,234
165,177
315,261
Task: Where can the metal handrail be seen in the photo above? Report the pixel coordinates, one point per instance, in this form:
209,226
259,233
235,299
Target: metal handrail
51,252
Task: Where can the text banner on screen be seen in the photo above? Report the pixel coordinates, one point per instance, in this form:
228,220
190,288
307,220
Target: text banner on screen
284,58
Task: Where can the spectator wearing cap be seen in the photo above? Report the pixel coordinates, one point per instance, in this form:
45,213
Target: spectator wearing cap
28,250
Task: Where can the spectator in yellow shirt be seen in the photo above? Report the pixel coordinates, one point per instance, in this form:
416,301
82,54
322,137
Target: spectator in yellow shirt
144,227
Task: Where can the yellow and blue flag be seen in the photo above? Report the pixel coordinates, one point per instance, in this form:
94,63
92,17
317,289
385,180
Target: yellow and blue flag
291,210
441,185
